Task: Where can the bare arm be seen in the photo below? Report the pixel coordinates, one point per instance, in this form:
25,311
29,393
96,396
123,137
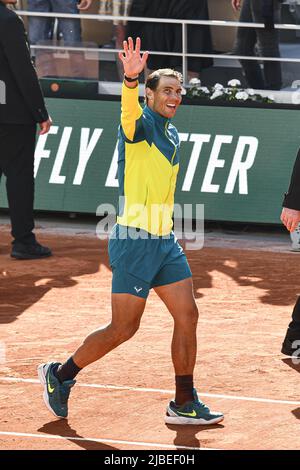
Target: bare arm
236,4
133,64
84,4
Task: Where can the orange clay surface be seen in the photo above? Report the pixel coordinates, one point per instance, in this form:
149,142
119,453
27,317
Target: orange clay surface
245,299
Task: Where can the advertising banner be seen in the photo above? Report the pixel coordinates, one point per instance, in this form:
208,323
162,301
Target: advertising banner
236,161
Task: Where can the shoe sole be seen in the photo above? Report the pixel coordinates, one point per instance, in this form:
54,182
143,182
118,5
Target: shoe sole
23,257
294,353
42,379
287,352
196,422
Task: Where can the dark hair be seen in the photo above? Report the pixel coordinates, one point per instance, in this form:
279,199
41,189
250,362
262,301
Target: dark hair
154,77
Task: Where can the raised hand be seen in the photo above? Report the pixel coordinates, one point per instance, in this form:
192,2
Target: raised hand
131,58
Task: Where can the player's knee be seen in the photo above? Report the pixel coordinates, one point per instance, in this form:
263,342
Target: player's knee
130,331
193,314
125,332
189,317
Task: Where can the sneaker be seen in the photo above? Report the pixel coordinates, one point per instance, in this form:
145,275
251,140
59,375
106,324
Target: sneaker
295,238
287,348
291,347
33,251
192,412
55,394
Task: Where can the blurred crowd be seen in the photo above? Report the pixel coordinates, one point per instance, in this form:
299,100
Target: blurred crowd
167,37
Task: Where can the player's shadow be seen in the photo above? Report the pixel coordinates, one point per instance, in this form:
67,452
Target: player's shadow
292,363
186,436
296,413
262,270
23,283
63,429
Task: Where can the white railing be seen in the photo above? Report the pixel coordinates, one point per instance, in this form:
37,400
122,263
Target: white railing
184,23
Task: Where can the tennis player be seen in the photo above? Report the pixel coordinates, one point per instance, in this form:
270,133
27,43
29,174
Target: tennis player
144,252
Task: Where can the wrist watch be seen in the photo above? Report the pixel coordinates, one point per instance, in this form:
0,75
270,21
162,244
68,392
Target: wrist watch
130,80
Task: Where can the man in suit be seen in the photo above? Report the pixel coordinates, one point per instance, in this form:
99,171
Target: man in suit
21,107
267,40
290,217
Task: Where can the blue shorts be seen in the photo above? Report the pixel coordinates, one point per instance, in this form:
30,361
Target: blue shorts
140,262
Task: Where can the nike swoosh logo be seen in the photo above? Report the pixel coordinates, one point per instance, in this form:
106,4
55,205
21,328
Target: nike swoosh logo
138,289
50,389
192,415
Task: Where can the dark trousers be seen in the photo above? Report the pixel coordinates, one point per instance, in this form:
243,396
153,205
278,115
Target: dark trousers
293,332
267,42
17,144
168,37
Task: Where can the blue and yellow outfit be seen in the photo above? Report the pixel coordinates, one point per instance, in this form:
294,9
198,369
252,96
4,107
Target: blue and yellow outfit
143,249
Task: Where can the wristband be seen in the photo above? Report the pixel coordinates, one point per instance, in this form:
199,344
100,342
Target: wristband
130,80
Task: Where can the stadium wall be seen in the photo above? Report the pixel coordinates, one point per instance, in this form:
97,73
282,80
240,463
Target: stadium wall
236,161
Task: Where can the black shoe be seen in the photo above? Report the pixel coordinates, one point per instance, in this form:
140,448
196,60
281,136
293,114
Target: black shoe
289,348
34,251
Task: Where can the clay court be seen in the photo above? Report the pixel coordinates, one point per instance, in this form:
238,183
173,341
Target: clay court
245,298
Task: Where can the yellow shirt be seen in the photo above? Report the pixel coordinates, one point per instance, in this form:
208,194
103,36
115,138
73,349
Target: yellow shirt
148,165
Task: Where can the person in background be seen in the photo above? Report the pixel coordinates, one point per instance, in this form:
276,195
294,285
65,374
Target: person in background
290,217
21,107
267,41
116,8
168,37
295,239
40,29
